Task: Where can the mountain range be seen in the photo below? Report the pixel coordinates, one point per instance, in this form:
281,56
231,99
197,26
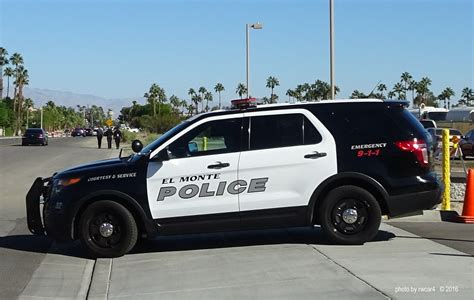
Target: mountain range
70,99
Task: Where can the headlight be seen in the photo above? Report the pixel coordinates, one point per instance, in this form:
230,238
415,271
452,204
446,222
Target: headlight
59,184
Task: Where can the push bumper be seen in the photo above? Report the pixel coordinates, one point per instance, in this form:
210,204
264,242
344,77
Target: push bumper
36,194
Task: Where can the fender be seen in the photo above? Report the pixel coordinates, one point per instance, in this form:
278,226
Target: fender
346,178
145,224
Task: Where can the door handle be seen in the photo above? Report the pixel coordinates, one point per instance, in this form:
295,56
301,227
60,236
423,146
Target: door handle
219,165
315,155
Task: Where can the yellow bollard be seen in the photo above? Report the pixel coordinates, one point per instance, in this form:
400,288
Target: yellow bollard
204,143
446,204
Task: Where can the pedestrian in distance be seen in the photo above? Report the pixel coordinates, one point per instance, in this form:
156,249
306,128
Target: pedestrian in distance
100,134
117,137
109,135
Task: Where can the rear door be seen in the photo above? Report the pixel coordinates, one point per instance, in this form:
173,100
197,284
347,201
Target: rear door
289,154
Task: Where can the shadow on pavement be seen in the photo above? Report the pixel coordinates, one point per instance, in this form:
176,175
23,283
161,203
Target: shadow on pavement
434,238
303,236
450,254
42,244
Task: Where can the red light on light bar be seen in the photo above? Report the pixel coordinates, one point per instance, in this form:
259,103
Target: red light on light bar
243,103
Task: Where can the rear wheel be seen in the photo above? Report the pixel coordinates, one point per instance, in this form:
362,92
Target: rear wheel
108,229
350,215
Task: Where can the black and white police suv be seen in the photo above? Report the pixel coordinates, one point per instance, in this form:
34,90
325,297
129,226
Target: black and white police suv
339,164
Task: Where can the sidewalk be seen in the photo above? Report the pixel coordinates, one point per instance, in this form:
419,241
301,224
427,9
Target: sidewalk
295,263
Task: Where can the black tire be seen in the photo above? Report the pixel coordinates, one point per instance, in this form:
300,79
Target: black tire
347,199
24,144
124,235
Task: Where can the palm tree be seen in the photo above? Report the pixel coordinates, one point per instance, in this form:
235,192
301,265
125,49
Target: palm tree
446,94
3,62
241,89
400,91
8,73
422,88
272,82
17,60
381,88
208,97
467,95
391,94
175,102
219,88
22,79
194,99
412,87
202,91
406,79
289,93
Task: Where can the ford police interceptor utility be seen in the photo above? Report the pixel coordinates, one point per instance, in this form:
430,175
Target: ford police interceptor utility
339,164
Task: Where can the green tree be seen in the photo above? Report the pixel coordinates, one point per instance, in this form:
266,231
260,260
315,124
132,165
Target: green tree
381,88
446,94
194,99
22,79
467,96
422,88
218,89
8,73
208,97
202,92
399,90
241,90
272,82
406,79
3,62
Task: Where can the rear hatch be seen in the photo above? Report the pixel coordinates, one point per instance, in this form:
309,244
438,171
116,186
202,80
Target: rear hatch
414,146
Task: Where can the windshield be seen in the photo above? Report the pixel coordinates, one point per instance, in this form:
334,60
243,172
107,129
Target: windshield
166,136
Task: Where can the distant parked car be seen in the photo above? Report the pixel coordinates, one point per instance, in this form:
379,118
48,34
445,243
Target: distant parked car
88,131
37,136
78,132
467,144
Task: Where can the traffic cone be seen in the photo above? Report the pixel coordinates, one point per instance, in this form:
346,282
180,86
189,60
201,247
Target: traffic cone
468,207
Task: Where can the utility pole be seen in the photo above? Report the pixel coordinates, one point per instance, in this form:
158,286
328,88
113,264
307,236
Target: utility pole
331,46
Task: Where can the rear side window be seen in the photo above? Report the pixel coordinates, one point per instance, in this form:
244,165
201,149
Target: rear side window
282,131
358,123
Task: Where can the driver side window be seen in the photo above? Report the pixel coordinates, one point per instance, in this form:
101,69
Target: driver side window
214,137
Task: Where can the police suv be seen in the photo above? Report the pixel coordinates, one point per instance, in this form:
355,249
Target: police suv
339,164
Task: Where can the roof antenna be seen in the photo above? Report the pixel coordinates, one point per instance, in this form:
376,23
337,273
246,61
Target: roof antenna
374,88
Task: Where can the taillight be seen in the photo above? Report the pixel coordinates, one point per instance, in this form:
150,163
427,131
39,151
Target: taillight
417,147
40,136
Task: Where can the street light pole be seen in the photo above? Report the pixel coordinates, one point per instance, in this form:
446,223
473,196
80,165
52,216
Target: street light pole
247,46
247,57
41,123
331,45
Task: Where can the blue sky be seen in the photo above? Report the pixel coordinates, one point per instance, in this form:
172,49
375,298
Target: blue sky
116,49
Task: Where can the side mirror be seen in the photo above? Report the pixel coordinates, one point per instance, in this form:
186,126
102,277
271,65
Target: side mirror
193,147
137,146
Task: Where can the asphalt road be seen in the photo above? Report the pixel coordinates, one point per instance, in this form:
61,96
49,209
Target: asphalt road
21,253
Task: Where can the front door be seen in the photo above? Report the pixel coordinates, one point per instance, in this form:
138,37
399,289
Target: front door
198,184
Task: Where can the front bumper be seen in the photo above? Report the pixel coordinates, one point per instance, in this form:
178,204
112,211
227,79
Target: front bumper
34,199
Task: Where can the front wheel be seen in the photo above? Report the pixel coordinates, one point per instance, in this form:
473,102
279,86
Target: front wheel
350,215
108,229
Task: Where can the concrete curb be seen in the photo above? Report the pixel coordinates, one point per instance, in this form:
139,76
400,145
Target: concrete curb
427,216
99,288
